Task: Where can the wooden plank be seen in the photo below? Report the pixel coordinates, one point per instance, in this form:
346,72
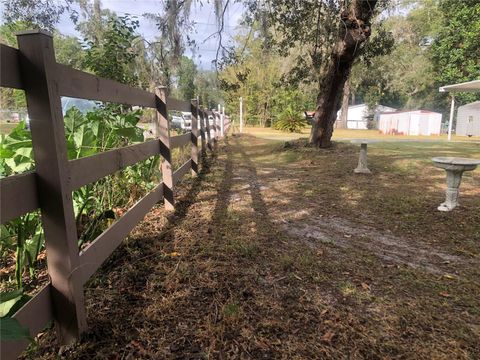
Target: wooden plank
18,196
163,133
79,84
201,120
194,138
38,67
181,171
98,251
217,125
10,75
178,105
34,315
89,169
214,128
180,140
209,134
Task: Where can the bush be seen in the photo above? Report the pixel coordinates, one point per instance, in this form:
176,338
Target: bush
291,121
289,106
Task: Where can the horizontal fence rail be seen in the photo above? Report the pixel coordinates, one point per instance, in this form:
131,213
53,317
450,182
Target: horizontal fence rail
19,196
100,249
35,315
24,193
10,68
181,171
78,84
180,140
92,168
178,105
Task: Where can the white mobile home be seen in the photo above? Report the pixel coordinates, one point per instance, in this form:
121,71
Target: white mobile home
418,122
358,115
468,120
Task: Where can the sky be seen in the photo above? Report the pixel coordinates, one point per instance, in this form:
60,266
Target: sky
203,16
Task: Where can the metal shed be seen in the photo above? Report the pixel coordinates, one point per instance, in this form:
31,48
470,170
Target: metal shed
417,122
468,120
359,115
469,86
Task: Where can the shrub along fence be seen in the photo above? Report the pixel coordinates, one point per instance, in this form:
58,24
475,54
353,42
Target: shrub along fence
49,188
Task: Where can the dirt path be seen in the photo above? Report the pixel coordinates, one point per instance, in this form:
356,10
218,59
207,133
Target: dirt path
249,267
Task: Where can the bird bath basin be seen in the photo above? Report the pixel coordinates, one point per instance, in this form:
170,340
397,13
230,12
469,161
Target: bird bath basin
454,166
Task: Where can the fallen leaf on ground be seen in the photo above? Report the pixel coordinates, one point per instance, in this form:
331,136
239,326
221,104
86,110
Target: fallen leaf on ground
365,286
328,336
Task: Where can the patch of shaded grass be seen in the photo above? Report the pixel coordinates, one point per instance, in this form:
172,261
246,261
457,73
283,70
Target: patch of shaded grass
231,310
244,248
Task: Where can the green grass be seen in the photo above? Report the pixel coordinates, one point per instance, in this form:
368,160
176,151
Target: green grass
348,134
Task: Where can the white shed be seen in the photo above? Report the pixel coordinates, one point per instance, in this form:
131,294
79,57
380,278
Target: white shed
468,120
418,122
357,116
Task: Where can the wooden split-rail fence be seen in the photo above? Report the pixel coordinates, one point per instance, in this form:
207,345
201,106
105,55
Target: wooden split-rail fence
32,68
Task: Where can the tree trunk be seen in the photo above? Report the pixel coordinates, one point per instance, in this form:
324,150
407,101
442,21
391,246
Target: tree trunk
353,32
344,112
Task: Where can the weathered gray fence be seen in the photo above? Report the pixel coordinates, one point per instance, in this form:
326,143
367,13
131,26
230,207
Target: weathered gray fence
32,67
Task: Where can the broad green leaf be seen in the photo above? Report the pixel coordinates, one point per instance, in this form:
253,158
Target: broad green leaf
33,245
85,141
73,119
133,134
19,164
11,330
8,300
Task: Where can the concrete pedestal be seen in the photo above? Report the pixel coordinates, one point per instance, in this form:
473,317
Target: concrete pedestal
362,167
455,167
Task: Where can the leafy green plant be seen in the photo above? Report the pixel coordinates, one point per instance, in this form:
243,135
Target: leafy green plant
94,204
289,107
291,121
16,153
10,328
113,56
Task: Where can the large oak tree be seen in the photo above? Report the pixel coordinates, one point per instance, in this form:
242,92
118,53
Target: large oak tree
332,35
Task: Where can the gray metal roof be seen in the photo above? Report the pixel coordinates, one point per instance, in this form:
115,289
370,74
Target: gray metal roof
470,86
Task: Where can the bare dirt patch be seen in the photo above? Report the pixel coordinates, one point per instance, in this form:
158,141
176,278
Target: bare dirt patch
389,248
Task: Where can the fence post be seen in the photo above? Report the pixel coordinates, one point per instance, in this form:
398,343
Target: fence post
194,155
163,134
38,67
201,118
224,131
215,133
209,135
219,122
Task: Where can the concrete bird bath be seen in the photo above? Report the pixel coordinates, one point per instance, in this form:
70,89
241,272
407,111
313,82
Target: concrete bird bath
454,166
362,167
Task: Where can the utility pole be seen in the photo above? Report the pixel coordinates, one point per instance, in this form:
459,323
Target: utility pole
241,114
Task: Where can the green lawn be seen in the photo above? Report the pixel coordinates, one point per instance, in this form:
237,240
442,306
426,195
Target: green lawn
347,134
